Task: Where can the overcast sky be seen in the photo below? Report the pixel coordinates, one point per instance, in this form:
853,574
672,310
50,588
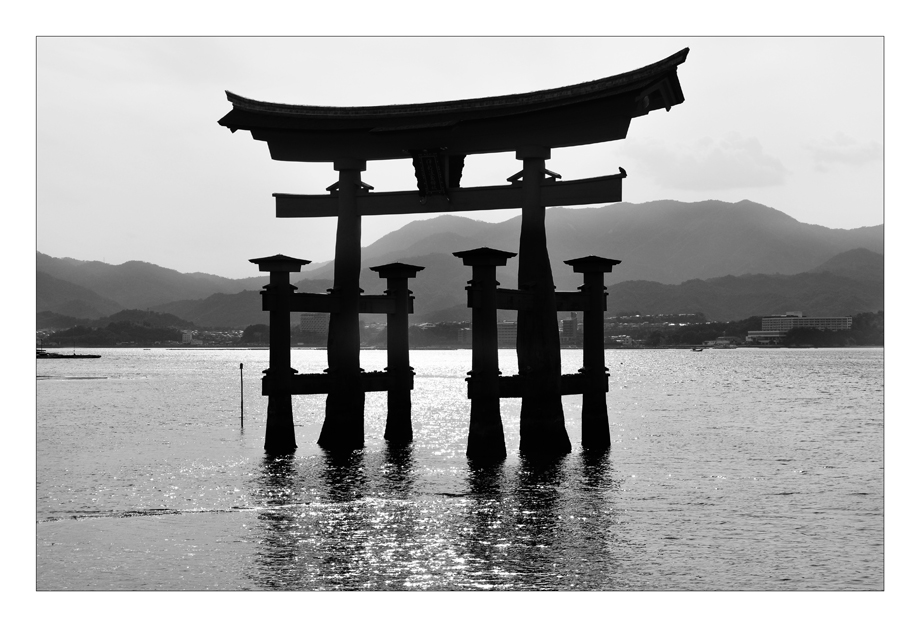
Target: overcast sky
133,165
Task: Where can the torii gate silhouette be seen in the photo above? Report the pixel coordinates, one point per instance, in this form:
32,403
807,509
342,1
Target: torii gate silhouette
438,137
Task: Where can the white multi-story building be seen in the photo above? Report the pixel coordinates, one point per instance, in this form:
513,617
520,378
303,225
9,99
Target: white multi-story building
795,319
314,322
186,337
774,328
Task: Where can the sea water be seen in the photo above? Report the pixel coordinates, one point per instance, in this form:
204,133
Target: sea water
746,469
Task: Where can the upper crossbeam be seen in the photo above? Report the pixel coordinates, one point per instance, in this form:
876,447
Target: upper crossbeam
601,189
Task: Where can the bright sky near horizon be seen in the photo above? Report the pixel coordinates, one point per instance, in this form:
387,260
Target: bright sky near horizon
133,165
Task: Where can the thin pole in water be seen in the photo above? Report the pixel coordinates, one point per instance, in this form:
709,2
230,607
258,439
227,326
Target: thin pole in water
241,396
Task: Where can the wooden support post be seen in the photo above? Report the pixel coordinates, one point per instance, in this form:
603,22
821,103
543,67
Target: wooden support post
399,392
595,426
279,426
486,440
343,428
543,431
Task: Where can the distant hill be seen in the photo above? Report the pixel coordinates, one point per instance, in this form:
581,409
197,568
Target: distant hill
146,318
851,287
443,281
51,320
442,234
859,264
234,311
69,299
137,284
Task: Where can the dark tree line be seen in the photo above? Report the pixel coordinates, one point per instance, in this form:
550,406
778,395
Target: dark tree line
115,333
693,334
255,334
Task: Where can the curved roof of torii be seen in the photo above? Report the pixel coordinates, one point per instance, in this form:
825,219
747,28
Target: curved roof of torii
585,113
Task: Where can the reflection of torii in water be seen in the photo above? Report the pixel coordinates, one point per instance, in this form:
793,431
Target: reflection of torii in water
438,136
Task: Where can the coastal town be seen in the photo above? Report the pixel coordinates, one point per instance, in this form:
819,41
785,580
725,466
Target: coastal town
627,330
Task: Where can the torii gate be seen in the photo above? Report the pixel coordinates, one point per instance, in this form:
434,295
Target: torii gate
438,137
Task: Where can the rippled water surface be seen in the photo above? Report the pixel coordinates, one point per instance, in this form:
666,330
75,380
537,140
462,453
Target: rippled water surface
729,470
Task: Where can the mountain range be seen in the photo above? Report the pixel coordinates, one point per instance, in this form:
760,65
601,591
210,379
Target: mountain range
848,283
664,241
727,260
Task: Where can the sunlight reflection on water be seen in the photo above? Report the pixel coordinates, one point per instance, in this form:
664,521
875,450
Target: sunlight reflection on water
728,470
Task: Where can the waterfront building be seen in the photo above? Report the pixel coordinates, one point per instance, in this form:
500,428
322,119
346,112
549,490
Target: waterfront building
765,337
774,328
795,319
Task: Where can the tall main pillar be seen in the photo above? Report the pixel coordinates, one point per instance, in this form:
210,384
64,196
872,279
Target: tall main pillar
486,440
279,426
543,431
343,428
399,395
595,426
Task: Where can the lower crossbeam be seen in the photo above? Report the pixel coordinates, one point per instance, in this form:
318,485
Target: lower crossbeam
513,386
374,381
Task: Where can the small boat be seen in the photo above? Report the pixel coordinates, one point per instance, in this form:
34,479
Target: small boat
697,349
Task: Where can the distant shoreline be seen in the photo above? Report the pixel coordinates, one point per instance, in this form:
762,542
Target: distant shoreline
440,348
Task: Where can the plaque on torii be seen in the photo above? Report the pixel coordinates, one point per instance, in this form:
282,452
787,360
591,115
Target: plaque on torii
437,137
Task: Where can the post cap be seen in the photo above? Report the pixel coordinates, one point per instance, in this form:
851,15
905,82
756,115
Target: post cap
484,257
397,270
592,263
349,164
279,263
532,152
